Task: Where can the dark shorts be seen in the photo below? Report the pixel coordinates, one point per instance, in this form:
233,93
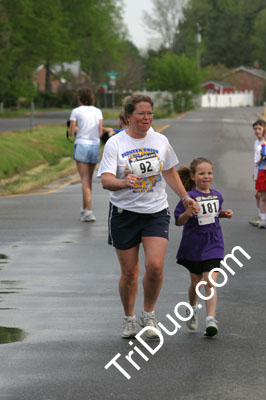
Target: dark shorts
126,228
198,267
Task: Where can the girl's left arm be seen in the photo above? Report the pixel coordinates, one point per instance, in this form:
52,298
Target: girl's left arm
226,213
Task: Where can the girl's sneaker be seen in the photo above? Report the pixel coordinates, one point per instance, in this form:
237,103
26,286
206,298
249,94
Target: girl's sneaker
211,327
262,224
192,323
255,221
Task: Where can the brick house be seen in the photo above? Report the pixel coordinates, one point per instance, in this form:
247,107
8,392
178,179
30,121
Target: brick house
247,78
59,72
217,87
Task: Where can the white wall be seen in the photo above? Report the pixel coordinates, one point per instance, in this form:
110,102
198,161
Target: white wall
236,99
159,98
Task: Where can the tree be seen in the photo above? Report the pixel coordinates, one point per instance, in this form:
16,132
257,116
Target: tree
226,28
177,74
258,39
163,20
5,33
217,72
18,49
174,73
98,34
131,70
52,40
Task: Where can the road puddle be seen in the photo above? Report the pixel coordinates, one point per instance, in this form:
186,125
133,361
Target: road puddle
9,287
11,335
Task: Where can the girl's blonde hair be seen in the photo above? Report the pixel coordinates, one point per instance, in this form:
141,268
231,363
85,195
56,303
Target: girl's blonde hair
186,173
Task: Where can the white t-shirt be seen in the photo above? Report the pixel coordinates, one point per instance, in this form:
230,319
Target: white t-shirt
88,120
257,155
146,157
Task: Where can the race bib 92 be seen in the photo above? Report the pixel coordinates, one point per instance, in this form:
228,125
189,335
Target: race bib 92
145,165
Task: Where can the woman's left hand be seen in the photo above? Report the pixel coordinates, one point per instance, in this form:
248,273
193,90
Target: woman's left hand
192,205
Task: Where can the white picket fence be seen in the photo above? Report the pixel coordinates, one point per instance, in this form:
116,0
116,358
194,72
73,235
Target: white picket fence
237,99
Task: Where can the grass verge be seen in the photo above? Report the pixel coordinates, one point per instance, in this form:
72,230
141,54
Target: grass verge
31,160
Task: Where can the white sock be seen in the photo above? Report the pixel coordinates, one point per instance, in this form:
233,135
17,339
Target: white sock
146,313
87,211
130,317
263,216
209,318
258,212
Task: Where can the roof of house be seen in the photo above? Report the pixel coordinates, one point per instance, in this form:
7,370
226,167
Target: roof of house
73,67
260,73
218,83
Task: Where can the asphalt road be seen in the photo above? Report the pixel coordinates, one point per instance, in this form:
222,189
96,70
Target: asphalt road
58,285
45,118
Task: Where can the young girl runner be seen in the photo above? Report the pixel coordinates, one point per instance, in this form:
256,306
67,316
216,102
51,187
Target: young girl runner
202,246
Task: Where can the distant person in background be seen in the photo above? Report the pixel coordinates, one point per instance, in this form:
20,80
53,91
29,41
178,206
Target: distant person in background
89,121
259,128
261,180
108,132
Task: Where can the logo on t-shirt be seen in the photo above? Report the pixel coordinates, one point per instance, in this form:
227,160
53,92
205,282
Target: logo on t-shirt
148,166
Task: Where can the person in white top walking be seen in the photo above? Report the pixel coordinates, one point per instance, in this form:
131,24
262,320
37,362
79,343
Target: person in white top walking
89,121
259,128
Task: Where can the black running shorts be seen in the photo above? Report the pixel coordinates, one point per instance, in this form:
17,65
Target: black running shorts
126,228
198,267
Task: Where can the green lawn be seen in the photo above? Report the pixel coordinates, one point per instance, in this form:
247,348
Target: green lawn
30,160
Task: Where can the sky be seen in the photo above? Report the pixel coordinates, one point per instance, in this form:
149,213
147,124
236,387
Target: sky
133,20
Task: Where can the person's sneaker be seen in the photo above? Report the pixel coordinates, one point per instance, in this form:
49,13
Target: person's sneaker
148,319
255,221
262,224
87,217
211,327
82,211
129,327
192,323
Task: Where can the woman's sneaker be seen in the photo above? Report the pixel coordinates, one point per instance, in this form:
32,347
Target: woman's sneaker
129,327
192,323
211,327
148,319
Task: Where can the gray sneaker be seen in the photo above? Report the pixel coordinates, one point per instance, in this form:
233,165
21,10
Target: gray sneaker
255,221
262,224
192,323
129,327
149,320
87,217
211,327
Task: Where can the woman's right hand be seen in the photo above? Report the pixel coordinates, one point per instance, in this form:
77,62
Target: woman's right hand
131,180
